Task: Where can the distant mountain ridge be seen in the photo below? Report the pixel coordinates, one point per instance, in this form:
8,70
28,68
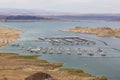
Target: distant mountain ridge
35,12
108,17
7,14
25,18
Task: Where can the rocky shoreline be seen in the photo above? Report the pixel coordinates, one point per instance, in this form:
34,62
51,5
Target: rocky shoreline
99,31
8,35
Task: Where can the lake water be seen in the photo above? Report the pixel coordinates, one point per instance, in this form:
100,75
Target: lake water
97,65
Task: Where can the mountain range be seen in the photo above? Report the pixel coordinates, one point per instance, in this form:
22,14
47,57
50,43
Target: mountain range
8,14
33,12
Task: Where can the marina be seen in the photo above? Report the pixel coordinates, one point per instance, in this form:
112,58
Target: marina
67,41
101,63
60,40
62,50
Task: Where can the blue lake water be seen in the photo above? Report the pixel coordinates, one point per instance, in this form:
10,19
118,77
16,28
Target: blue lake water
96,65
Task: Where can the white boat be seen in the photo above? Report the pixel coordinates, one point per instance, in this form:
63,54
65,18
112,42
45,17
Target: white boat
44,50
89,52
60,51
51,50
36,50
101,52
68,50
78,51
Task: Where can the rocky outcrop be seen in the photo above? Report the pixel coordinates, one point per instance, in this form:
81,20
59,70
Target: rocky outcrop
99,31
40,76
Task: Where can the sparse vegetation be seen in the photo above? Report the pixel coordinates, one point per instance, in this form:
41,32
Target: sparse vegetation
58,64
101,78
7,54
25,56
43,61
77,72
23,66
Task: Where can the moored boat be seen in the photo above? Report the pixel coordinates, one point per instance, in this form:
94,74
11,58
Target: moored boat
60,51
78,51
68,51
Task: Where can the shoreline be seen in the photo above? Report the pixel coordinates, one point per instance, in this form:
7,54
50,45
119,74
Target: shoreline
8,35
24,66
99,31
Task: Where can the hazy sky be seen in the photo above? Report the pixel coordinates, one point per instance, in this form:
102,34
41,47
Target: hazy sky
78,6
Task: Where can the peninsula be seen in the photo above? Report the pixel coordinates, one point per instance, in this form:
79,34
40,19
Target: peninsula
19,67
99,31
8,35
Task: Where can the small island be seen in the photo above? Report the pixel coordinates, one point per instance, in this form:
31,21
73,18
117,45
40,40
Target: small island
8,35
99,31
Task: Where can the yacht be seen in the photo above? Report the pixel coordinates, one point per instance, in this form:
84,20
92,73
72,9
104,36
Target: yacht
60,51
103,54
51,50
68,51
78,51
44,50
36,50
89,52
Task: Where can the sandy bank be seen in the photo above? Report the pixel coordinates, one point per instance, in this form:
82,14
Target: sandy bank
8,35
99,31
